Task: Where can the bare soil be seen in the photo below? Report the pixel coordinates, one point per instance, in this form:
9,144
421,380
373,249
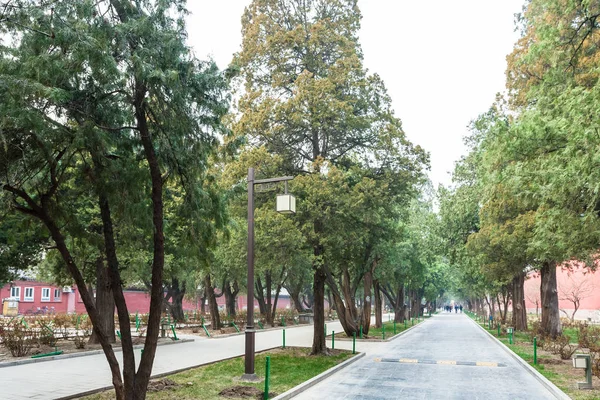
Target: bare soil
162,384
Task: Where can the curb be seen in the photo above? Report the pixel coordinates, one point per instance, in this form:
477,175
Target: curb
260,330
551,387
344,339
82,354
313,381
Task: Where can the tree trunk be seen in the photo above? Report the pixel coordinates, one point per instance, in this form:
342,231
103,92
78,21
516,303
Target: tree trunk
231,293
294,292
519,310
259,295
319,346
378,305
549,294
105,303
203,300
215,318
176,294
368,298
268,286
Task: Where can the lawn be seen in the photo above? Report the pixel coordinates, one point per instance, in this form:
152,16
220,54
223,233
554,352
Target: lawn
289,368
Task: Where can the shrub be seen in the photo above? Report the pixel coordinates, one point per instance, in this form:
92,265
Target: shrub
589,336
19,339
62,323
561,346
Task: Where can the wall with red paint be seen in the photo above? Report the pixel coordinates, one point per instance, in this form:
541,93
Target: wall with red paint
576,279
137,301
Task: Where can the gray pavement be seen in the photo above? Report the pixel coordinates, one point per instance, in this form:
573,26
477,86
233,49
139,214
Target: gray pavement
447,357
69,377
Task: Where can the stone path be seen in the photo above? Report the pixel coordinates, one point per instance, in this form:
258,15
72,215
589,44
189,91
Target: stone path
447,357
66,378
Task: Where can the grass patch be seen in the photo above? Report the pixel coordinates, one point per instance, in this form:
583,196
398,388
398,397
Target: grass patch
289,368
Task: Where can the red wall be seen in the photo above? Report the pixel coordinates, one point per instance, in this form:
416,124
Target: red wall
137,301
578,280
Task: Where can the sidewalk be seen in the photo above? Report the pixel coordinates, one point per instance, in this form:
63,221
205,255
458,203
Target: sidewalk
447,357
69,377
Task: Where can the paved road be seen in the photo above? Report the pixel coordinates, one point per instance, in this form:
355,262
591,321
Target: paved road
69,377
427,370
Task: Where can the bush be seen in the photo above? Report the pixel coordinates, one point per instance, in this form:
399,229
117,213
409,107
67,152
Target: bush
589,337
62,323
19,339
561,346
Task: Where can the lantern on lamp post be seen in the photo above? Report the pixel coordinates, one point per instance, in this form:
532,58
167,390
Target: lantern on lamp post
286,204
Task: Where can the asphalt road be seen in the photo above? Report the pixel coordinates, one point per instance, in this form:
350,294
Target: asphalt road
447,357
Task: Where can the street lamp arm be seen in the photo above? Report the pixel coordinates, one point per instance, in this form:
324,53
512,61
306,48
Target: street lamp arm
270,180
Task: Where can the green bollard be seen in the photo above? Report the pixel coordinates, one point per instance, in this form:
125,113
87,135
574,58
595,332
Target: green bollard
404,323
284,338
332,340
267,376
205,330
383,331
283,321
535,350
174,334
353,342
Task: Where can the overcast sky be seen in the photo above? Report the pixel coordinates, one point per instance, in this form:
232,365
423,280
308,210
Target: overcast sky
442,61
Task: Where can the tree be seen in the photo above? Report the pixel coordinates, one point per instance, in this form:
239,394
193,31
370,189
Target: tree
101,91
577,287
308,98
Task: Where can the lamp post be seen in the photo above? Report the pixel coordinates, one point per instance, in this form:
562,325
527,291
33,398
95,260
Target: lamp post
286,204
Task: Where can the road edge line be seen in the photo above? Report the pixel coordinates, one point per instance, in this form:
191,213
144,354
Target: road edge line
551,387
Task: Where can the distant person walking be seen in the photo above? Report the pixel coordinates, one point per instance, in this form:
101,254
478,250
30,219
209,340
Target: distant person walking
460,307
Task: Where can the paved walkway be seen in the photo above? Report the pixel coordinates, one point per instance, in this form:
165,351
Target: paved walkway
62,378
447,357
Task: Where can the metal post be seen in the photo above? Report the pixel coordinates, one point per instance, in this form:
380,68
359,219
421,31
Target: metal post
383,331
284,338
267,376
250,338
332,340
353,342
535,350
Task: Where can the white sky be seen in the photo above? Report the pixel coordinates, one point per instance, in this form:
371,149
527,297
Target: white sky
442,61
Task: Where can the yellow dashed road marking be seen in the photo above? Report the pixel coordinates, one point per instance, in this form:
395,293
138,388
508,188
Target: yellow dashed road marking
446,362
486,364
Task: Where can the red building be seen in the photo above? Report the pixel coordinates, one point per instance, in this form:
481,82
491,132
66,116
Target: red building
35,297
